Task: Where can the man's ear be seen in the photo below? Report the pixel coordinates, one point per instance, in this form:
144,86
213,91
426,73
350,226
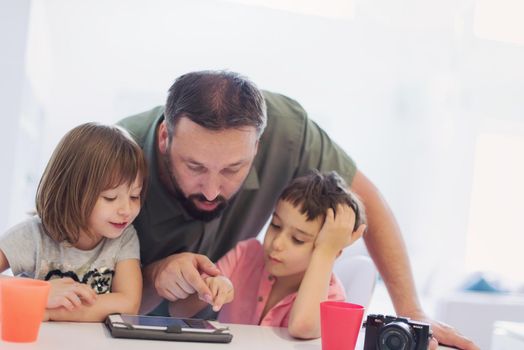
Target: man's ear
163,137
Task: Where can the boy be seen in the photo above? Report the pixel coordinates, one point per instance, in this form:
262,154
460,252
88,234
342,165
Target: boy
282,281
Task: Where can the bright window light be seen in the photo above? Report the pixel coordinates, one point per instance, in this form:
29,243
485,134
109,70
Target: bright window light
327,8
495,227
501,20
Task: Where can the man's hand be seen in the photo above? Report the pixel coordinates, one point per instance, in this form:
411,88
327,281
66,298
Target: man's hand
444,334
65,292
179,275
222,291
447,335
337,231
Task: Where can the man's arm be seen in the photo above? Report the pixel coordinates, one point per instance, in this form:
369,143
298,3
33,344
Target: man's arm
386,247
388,251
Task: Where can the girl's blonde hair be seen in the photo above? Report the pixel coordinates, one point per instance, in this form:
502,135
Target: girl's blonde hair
89,159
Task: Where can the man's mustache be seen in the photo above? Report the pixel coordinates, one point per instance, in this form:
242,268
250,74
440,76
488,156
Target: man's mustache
200,197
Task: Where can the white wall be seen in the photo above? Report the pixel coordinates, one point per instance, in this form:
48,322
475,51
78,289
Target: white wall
14,20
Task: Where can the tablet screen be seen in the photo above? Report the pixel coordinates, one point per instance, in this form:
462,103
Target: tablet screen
157,322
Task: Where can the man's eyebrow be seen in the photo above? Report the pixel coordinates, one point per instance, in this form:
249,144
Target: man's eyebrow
232,165
191,160
238,163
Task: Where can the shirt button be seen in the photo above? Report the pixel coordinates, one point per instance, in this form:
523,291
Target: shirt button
260,298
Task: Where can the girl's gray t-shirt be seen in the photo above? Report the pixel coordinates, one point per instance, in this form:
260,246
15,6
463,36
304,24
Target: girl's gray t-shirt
32,253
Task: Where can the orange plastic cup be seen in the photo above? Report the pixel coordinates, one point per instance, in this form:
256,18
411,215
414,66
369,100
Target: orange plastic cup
23,304
340,324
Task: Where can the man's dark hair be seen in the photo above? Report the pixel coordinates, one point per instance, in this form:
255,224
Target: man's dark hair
314,193
216,100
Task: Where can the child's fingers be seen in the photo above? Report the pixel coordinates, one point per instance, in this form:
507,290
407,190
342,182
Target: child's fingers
328,222
347,214
214,289
73,298
86,294
217,306
65,302
360,231
330,216
225,295
210,281
357,234
53,302
219,301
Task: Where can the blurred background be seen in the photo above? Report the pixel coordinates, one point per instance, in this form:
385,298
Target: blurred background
426,96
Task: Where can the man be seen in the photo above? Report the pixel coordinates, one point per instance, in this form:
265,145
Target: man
220,153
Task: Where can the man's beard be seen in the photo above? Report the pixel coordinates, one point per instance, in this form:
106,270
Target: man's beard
188,203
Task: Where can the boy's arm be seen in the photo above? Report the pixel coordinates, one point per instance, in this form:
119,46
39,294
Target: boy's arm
386,247
336,233
124,298
304,320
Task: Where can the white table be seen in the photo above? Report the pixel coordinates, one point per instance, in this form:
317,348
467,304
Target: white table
94,336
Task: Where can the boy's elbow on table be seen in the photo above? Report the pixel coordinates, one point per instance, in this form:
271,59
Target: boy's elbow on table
304,330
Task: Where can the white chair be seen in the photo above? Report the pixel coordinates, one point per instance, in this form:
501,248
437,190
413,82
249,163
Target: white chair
358,276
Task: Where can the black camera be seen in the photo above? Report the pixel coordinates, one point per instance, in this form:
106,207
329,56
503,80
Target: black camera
395,333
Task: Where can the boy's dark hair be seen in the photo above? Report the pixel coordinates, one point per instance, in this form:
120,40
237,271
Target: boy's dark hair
216,100
314,193
89,159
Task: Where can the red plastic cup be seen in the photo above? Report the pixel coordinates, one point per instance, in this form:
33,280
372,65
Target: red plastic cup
23,304
340,324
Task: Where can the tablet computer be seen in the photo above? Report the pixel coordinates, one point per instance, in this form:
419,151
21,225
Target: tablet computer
167,328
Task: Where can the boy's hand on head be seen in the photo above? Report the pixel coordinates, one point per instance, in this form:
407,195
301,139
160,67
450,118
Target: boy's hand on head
337,231
222,291
67,293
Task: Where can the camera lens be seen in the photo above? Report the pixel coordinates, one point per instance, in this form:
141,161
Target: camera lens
396,336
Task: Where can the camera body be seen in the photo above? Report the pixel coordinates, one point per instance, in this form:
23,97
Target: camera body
395,333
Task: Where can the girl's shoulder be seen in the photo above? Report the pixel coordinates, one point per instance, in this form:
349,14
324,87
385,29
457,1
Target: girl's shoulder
31,226
27,235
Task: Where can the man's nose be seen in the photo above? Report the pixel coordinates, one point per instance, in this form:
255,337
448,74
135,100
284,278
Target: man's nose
211,187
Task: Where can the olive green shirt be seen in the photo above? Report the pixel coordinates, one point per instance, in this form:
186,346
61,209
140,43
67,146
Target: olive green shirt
290,145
